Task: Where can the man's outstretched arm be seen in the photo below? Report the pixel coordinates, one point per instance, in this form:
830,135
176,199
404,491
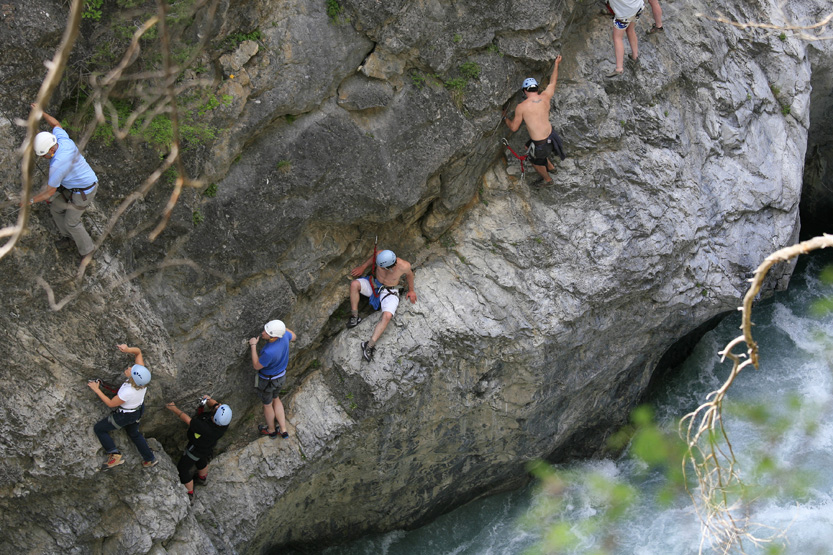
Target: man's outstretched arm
550,90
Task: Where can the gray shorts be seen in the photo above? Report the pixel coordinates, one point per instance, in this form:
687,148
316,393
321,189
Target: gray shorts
269,389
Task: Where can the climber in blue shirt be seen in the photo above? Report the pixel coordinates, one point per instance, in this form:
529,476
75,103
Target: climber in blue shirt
71,186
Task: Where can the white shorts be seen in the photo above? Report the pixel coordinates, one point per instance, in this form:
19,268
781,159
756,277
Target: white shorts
390,299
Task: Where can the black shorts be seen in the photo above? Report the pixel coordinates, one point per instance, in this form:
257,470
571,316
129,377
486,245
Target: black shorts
543,149
186,467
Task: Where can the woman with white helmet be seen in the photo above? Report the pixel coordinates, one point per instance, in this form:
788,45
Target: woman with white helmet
205,429
129,405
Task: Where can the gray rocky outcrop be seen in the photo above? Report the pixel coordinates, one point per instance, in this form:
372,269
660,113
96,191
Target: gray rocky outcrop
541,313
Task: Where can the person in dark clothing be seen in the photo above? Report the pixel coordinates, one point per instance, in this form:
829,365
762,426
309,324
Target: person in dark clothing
205,429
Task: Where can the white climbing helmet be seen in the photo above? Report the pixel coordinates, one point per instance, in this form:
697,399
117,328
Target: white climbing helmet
44,141
275,328
140,375
385,259
222,416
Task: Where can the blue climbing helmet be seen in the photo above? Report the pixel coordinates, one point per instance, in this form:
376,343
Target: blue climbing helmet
140,375
385,259
529,82
222,416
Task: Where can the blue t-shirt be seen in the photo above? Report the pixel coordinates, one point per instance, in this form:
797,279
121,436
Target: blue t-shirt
275,356
67,167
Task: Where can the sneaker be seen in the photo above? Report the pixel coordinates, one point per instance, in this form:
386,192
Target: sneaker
114,460
264,431
353,321
655,29
367,352
150,464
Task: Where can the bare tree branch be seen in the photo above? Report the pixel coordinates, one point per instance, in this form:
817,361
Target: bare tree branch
799,31
710,453
53,76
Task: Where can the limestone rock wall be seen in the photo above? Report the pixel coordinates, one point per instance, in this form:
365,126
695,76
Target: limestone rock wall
541,312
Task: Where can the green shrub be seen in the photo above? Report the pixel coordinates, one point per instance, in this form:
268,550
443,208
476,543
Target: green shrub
233,40
334,10
210,191
470,70
418,79
458,84
92,9
197,217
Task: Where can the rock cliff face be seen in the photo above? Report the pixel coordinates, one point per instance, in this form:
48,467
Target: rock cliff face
541,313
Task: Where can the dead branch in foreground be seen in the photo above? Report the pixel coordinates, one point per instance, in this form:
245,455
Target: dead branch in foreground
710,453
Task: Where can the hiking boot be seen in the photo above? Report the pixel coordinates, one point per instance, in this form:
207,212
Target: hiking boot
114,460
353,321
264,431
64,243
367,352
150,464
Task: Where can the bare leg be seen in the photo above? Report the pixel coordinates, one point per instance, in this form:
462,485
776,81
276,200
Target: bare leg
619,49
542,171
656,9
380,327
269,413
277,409
631,30
189,486
201,473
355,288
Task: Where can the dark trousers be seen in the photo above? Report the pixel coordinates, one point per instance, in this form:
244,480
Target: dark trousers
130,422
186,467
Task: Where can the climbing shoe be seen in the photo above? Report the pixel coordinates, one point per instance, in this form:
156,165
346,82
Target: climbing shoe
200,480
367,351
285,435
191,497
150,464
264,431
114,460
353,321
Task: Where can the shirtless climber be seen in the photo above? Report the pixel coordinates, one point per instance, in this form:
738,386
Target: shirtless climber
535,112
382,291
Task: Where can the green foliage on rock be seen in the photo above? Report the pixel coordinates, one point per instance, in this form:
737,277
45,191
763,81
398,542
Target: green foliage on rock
233,40
470,70
92,9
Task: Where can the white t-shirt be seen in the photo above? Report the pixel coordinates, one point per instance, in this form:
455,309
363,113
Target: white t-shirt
625,9
132,397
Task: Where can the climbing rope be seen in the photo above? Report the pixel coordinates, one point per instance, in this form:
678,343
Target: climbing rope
520,159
